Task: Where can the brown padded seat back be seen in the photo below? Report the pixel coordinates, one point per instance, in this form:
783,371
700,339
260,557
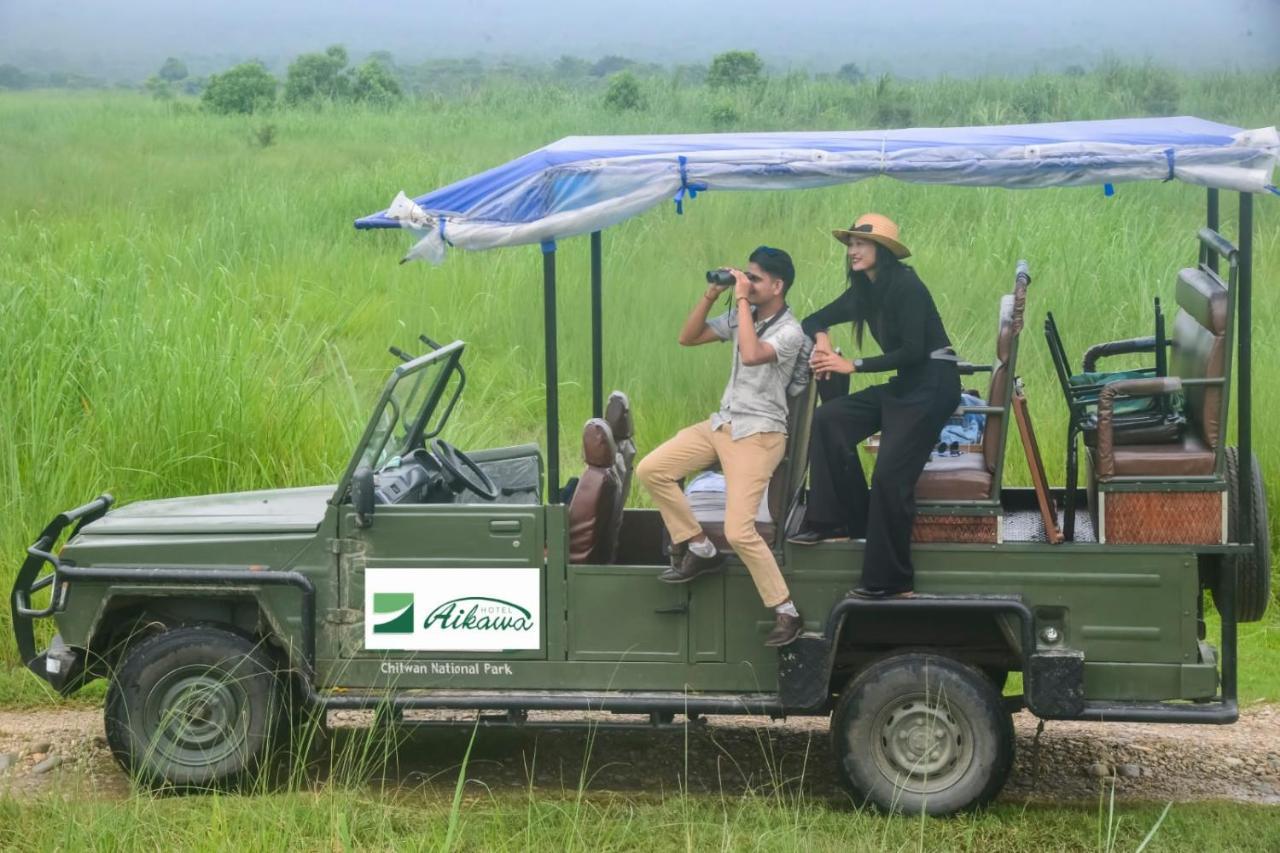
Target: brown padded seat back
1199,348
1012,307
617,414
593,535
790,472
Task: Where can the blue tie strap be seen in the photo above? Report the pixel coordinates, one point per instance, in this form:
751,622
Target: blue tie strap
686,188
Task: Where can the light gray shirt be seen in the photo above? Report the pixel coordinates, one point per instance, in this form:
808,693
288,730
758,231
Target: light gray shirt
755,400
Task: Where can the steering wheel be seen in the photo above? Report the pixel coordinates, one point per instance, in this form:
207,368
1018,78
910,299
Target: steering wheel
462,472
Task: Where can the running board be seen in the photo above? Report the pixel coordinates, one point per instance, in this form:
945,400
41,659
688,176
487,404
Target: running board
1216,713
631,702
658,721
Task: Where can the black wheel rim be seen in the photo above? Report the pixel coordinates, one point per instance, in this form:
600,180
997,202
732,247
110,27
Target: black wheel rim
196,717
922,744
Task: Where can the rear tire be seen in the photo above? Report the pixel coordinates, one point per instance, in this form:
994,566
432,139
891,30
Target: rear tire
922,733
192,707
1253,570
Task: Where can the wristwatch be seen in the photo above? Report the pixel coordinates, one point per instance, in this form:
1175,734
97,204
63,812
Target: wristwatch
857,364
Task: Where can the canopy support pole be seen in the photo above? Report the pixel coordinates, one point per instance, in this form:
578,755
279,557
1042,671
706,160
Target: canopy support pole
1211,220
1244,433
553,387
1244,378
597,329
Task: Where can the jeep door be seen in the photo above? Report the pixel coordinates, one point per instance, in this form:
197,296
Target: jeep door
446,581
431,581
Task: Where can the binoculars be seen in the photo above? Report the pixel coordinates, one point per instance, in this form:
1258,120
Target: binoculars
720,278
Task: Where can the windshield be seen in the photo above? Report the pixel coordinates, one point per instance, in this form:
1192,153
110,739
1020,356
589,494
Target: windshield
394,421
417,390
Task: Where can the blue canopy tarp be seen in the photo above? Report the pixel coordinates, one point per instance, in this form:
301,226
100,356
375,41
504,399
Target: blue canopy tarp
585,183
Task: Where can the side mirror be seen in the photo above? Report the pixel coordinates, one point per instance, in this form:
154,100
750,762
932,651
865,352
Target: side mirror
362,495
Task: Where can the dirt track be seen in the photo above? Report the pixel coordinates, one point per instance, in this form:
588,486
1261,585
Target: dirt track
729,754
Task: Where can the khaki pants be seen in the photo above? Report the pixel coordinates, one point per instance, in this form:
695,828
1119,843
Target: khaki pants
748,463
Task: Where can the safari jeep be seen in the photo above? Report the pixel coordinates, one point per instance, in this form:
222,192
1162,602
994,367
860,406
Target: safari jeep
430,577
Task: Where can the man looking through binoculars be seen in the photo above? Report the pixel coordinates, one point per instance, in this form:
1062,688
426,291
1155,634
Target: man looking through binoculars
747,435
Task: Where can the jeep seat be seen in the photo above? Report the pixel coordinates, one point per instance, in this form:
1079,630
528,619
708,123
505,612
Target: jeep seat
971,476
1199,352
593,512
788,478
617,414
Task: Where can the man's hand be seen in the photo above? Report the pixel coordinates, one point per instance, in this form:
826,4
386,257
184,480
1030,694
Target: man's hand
695,330
714,291
826,363
741,285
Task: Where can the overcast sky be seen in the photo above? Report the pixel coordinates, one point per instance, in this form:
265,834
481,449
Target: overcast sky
907,37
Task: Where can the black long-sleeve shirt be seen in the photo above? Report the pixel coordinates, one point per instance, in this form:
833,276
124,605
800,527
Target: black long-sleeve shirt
903,320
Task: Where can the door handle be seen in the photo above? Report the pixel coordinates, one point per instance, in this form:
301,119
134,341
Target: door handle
504,526
679,608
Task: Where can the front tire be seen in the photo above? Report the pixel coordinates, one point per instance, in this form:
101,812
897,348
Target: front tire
193,707
922,733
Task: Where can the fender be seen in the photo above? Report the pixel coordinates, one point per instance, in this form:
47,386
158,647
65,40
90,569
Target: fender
153,582
805,667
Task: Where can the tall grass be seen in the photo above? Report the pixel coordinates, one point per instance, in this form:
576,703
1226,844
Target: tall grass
185,310
348,819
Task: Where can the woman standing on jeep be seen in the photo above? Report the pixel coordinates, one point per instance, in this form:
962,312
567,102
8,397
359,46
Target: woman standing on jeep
908,411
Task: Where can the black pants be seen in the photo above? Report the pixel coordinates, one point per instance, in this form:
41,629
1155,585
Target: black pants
909,411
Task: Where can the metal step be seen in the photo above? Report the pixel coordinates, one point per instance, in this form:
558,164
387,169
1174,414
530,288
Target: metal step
658,721
627,702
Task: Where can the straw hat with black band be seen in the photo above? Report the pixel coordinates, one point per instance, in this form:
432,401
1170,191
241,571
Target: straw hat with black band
877,229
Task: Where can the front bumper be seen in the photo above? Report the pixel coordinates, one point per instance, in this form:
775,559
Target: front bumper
60,665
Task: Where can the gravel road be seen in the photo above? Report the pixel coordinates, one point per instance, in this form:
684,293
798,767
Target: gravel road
64,751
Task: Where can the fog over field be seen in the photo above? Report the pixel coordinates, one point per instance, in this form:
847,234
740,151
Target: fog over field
127,39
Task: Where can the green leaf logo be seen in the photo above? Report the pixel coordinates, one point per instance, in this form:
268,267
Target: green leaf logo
398,607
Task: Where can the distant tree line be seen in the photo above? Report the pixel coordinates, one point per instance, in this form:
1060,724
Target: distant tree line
626,85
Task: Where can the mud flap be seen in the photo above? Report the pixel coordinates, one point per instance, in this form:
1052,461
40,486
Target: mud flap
1054,684
804,673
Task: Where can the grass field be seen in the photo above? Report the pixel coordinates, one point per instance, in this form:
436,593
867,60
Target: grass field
185,311
342,821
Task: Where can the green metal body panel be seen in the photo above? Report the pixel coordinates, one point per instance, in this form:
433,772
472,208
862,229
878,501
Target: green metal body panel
1131,610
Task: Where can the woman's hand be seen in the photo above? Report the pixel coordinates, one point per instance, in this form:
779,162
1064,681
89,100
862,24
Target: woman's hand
826,363
821,347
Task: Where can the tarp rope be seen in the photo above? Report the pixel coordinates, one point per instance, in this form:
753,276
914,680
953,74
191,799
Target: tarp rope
686,188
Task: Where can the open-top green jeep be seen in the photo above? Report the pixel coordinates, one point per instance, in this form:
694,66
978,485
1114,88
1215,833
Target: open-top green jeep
429,577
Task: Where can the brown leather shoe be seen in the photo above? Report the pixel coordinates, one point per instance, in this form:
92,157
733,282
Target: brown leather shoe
691,565
785,630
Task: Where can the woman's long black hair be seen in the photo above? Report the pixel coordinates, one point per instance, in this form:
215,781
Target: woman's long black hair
866,293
